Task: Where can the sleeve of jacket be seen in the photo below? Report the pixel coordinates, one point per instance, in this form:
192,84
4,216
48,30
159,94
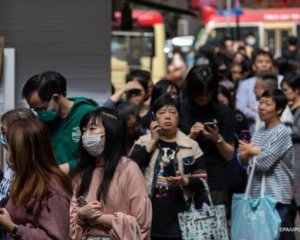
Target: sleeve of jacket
53,221
135,224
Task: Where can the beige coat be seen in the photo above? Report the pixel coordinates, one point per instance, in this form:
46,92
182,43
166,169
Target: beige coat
187,148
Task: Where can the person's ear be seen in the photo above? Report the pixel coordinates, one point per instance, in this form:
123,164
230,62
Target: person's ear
279,111
56,97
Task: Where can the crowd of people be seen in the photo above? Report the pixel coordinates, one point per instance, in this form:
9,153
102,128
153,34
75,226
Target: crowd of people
126,169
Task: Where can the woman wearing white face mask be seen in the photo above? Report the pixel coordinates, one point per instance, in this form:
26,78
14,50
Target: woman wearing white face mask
110,200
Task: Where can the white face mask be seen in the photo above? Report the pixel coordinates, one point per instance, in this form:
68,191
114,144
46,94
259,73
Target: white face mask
251,41
3,141
92,144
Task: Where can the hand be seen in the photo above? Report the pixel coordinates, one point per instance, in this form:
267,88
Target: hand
154,129
90,211
179,180
5,220
249,148
65,167
196,129
244,158
200,173
131,86
245,148
211,133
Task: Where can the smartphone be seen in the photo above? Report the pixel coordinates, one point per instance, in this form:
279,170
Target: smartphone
81,201
170,170
153,118
210,125
245,136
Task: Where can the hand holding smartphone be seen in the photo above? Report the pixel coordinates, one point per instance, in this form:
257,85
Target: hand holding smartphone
210,125
153,118
169,169
245,136
154,127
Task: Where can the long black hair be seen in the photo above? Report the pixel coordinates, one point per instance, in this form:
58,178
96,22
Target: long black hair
114,149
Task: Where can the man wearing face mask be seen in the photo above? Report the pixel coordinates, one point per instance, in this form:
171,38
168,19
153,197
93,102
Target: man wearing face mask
46,95
250,41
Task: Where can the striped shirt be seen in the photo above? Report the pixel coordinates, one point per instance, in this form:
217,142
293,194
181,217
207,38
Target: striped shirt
276,161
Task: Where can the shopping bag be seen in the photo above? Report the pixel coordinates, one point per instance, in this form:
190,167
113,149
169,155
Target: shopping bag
205,224
254,218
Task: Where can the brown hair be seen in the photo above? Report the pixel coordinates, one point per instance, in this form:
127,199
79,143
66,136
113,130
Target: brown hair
33,161
16,114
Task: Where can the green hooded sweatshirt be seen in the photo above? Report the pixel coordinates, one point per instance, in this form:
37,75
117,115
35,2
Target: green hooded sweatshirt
65,133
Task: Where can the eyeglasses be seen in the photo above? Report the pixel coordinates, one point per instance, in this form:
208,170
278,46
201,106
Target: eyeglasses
40,109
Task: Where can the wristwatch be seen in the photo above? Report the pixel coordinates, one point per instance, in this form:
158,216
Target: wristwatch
14,231
220,139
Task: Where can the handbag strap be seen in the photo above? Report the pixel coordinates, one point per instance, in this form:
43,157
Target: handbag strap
263,186
207,192
250,179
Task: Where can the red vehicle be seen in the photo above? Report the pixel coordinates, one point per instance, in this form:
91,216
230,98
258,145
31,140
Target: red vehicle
271,26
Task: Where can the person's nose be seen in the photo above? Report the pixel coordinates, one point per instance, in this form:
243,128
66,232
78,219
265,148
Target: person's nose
262,107
86,132
168,115
265,64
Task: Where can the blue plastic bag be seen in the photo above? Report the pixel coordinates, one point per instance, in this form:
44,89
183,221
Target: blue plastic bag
254,218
